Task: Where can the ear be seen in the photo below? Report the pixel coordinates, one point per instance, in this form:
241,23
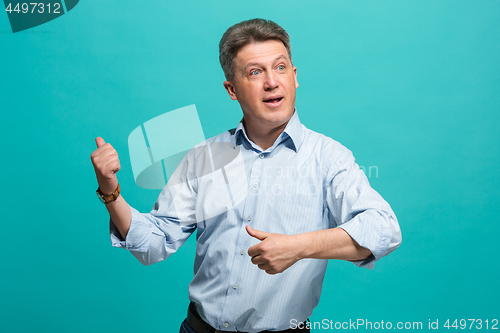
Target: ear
295,76
230,90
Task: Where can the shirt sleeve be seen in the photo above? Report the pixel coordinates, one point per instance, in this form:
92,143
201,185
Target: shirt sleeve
153,237
358,209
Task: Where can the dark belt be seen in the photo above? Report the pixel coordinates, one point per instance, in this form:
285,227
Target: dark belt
199,326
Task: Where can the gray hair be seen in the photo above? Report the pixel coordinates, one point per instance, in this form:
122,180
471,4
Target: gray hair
247,32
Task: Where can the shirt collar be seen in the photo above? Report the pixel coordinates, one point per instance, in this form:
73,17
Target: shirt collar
291,136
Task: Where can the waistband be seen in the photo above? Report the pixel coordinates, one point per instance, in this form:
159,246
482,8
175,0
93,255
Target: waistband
200,326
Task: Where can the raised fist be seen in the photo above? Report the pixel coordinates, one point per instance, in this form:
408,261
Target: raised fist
106,165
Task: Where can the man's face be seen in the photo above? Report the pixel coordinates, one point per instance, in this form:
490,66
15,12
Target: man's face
264,84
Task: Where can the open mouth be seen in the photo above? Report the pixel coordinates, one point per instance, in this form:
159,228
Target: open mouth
273,101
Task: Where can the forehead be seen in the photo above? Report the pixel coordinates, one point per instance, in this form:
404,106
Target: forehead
261,53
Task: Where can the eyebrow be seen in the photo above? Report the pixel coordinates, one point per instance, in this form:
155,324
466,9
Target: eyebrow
257,64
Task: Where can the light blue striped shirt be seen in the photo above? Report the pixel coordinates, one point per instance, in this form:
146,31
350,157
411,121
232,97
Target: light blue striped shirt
304,182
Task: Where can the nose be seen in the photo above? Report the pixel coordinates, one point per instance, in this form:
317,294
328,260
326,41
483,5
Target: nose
271,81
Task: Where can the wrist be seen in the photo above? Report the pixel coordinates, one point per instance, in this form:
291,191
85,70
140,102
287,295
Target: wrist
106,191
107,187
105,198
304,245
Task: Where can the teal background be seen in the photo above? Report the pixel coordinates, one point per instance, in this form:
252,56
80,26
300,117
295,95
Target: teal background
411,87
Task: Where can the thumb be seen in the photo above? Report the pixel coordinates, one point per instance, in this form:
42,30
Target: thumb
260,235
99,141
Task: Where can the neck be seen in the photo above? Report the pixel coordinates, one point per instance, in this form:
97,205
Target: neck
263,136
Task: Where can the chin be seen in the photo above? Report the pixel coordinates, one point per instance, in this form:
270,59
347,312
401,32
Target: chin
279,117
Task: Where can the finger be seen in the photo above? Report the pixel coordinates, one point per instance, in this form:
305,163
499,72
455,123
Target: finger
104,163
99,141
111,168
104,154
260,235
113,165
265,267
271,272
254,250
107,154
258,260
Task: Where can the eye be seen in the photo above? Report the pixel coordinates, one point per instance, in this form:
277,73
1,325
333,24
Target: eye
281,67
254,72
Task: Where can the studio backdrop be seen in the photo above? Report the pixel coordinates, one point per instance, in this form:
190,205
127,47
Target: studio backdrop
411,87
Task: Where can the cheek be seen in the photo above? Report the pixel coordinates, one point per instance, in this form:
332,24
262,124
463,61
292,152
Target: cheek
252,94
291,86
249,98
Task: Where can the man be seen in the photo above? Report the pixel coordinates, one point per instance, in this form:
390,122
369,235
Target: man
305,200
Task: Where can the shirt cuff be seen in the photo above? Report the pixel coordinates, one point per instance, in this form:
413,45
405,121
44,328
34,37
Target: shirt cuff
366,230
138,236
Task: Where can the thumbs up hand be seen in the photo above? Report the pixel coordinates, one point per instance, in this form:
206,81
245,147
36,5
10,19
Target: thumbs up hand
276,252
106,165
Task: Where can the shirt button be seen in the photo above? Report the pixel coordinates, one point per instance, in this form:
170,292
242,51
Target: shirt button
235,286
261,155
226,324
242,252
255,185
249,218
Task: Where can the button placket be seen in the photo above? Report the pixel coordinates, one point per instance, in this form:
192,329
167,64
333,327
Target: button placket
254,177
